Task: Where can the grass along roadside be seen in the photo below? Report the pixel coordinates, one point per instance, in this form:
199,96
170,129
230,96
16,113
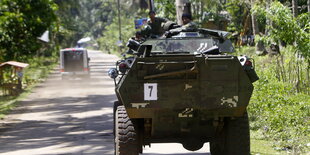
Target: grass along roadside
8,103
280,103
261,146
34,74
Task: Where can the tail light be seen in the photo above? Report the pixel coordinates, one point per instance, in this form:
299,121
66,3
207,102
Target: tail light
248,67
122,67
62,70
248,63
86,69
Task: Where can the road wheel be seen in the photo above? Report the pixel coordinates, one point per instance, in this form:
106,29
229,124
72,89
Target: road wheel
233,139
126,134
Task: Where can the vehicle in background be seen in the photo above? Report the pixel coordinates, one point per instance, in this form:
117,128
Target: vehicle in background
74,62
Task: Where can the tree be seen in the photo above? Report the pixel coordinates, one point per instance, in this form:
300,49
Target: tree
110,37
295,8
21,22
308,5
182,6
69,24
260,48
166,9
285,27
254,21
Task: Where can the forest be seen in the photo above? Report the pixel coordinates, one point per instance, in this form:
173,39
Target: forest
276,33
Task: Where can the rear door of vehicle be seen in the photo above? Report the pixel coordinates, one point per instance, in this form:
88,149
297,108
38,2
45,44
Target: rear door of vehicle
73,60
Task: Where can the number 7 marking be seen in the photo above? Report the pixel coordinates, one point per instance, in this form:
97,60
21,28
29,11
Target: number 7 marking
151,88
150,91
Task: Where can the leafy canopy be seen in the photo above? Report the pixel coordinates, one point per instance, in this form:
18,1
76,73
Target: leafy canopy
285,27
21,22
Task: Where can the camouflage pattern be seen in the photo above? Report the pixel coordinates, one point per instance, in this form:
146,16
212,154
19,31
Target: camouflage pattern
191,25
180,91
213,86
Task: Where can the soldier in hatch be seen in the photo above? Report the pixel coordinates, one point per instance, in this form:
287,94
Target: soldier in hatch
188,25
187,22
156,24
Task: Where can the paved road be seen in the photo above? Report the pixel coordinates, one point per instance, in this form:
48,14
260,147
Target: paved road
70,117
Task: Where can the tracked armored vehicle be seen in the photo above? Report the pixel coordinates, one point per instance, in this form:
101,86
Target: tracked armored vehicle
183,88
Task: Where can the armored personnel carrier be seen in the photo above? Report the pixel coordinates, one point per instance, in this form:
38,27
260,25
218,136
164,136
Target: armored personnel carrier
183,88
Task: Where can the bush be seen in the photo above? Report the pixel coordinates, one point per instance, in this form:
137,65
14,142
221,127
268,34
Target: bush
38,69
278,107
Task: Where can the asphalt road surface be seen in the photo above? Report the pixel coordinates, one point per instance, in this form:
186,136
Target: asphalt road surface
71,117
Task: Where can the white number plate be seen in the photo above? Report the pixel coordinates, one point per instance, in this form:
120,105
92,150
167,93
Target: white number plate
150,91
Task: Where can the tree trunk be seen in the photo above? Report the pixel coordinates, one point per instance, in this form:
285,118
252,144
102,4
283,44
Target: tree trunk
295,8
143,4
308,5
202,4
182,6
151,5
254,21
260,48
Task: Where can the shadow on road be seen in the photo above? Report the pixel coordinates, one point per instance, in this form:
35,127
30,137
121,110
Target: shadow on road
63,116
71,121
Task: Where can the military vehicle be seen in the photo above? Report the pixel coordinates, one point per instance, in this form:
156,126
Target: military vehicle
74,62
183,88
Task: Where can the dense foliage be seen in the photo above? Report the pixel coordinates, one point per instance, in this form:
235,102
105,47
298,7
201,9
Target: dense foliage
112,40
83,18
109,42
285,28
21,22
279,108
281,103
276,109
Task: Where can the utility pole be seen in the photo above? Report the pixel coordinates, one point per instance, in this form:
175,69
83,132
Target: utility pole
143,4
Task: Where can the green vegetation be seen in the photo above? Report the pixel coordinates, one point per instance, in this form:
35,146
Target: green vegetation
261,146
110,41
6,104
285,28
21,22
279,110
37,71
280,105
